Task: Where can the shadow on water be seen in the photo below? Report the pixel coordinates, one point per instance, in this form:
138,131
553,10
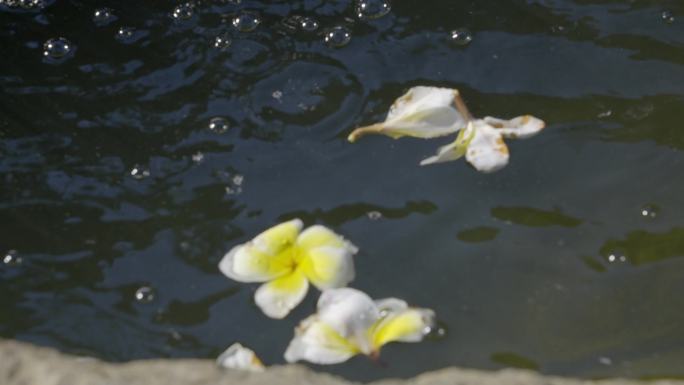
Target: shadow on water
132,163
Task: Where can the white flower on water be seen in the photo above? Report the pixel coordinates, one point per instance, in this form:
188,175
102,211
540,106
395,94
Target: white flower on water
287,259
482,142
240,357
428,112
349,322
422,112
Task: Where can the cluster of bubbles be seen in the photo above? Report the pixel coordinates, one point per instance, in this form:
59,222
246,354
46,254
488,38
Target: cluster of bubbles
23,5
56,50
668,17
184,11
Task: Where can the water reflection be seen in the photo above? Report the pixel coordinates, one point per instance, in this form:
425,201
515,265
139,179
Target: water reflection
346,213
528,216
513,360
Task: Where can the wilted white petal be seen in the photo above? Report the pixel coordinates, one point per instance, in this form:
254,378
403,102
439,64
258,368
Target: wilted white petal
261,259
521,127
423,112
350,312
487,151
279,296
453,150
317,342
240,357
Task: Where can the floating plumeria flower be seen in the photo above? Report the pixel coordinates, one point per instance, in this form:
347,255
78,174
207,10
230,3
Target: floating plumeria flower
240,357
287,261
482,142
428,112
422,112
349,322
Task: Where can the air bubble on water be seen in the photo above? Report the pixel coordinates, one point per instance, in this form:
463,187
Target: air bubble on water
238,179
125,34
103,17
308,24
605,361
461,36
219,125
198,157
616,257
222,41
145,294
337,36
12,258
435,332
140,171
246,21
57,49
667,17
374,215
277,95
650,211
183,11
604,114
372,9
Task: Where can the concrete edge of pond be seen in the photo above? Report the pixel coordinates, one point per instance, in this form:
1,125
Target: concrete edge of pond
25,364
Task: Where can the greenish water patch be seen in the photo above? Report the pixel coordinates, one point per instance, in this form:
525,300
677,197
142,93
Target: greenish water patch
478,234
643,247
528,216
513,360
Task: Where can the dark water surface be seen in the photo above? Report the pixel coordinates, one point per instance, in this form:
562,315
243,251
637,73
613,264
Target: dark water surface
569,261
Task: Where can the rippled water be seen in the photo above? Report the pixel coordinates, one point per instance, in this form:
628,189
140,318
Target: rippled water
169,132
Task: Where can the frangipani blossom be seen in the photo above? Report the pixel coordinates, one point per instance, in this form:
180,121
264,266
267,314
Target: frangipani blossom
287,259
422,112
349,322
482,142
428,112
240,357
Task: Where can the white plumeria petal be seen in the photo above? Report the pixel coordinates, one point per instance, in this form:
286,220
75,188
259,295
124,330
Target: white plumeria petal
279,296
261,259
240,357
423,112
487,151
517,128
349,322
328,259
317,342
453,150
402,324
351,313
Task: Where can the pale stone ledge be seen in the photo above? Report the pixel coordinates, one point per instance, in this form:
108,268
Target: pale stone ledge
24,364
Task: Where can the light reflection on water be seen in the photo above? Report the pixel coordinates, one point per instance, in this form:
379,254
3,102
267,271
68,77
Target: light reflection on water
137,165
